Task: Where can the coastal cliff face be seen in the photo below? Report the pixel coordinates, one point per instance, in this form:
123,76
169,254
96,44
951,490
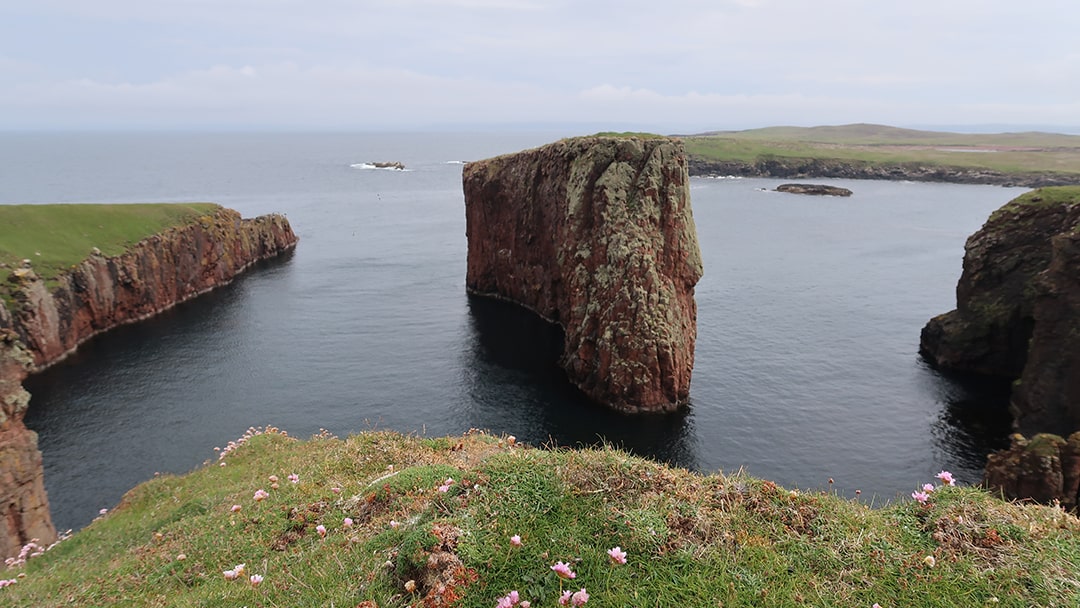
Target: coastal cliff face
989,331
46,322
595,234
1018,317
153,275
801,168
24,508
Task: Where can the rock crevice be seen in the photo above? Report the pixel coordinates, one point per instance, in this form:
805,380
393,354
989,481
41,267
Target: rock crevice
595,234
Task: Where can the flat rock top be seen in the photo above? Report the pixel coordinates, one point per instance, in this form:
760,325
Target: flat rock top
816,189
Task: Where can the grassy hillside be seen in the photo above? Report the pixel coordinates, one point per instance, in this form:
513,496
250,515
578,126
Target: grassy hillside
466,521
1006,152
55,237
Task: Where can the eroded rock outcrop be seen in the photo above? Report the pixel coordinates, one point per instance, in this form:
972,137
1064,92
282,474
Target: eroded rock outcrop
1018,317
1045,468
595,234
24,507
158,272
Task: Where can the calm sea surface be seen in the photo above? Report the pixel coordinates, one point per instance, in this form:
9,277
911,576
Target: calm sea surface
808,321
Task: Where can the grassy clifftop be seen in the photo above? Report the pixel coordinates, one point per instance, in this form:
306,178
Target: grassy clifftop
381,519
55,237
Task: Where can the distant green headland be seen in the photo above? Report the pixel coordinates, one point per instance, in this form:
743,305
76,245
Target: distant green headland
866,151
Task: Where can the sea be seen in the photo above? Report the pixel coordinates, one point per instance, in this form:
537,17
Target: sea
807,368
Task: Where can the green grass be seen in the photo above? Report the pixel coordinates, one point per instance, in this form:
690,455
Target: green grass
56,237
1025,153
691,540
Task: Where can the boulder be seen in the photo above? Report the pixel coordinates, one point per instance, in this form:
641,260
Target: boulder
595,234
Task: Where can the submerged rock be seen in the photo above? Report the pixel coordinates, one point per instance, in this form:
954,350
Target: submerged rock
595,234
815,189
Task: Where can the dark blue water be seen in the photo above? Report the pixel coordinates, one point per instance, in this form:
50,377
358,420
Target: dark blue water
808,322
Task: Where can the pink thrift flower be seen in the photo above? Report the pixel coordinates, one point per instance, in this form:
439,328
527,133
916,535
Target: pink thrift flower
922,497
230,575
565,599
526,604
928,487
617,555
235,508
293,477
515,540
103,512
395,524
444,488
579,598
563,570
239,569
946,478
321,529
256,579
261,495
336,490
347,522
876,605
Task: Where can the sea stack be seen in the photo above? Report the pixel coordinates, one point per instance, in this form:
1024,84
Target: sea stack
597,235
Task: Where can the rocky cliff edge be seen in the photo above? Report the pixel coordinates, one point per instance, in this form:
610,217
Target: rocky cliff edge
597,235
47,322
52,319
1018,317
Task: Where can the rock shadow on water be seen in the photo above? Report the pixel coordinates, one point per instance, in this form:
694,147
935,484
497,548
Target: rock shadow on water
974,419
516,386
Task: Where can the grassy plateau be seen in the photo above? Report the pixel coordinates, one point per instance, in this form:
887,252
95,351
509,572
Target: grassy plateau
382,519
56,237
1011,153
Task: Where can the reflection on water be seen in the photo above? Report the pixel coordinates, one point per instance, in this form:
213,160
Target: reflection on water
517,381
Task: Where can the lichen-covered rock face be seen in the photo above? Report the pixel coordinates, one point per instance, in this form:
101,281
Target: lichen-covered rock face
24,507
153,275
1018,309
595,234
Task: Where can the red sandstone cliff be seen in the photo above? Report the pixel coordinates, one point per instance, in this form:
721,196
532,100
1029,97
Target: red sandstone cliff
595,234
155,274
44,325
24,509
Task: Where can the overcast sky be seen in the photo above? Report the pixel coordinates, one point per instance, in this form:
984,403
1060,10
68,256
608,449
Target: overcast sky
668,65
